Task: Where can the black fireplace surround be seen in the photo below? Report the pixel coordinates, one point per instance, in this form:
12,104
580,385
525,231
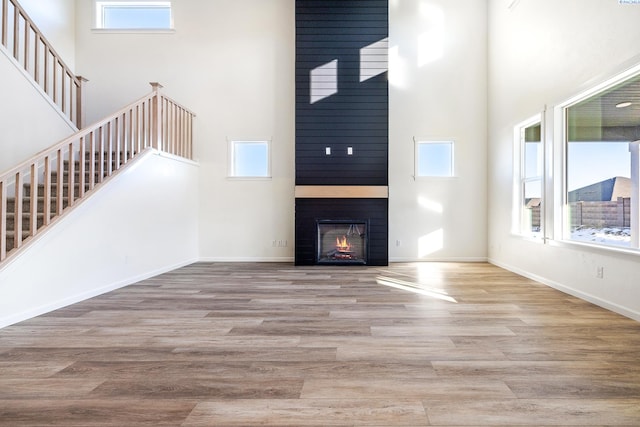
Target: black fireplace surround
342,139
372,213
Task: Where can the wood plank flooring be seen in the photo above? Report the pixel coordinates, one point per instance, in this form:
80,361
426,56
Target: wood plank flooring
277,345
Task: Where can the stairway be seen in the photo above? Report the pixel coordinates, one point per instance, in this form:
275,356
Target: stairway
154,122
55,211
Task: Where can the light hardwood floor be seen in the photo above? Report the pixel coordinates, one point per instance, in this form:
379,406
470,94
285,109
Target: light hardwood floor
277,345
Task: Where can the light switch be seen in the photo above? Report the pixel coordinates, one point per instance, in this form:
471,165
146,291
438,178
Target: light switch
350,151
327,151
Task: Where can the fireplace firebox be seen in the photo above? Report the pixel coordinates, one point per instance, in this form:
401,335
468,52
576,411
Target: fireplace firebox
342,242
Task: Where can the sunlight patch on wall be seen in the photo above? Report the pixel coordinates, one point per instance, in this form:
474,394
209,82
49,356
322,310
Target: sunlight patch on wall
430,243
374,59
430,205
431,41
397,68
324,81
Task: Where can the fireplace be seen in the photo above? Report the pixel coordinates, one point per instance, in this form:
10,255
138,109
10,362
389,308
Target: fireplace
342,242
341,231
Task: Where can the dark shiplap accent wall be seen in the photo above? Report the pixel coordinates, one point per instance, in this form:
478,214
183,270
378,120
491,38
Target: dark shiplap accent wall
357,114
309,211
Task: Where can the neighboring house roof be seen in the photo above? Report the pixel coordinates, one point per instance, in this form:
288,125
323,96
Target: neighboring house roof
608,190
534,202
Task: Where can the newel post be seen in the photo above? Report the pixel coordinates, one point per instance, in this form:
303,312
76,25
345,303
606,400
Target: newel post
80,97
156,113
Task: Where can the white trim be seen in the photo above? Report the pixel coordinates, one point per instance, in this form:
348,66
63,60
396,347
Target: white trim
99,6
437,259
231,143
519,180
561,214
37,311
624,311
246,259
420,141
133,31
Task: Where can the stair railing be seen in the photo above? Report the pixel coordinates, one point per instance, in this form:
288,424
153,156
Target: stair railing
38,190
27,45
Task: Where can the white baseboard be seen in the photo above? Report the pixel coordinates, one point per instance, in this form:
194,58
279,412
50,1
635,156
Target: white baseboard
246,259
445,259
64,302
616,308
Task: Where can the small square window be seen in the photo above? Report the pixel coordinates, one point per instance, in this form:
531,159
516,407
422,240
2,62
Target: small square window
249,159
434,158
133,15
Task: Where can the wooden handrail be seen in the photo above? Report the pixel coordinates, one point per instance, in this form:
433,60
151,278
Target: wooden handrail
27,45
35,192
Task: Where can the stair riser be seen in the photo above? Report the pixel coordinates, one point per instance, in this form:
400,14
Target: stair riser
26,201
26,222
54,189
26,205
76,176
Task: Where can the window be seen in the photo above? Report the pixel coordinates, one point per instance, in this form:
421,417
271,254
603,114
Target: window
528,178
249,159
601,164
133,15
434,159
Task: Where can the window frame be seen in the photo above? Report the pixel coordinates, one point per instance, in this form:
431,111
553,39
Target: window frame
562,214
418,142
231,166
100,5
520,179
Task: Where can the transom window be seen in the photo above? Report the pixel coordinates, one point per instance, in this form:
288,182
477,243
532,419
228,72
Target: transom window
133,15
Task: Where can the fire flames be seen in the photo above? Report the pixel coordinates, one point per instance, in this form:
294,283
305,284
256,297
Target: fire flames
342,244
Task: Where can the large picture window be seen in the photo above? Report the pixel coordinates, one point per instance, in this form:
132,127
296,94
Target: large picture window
601,170
529,151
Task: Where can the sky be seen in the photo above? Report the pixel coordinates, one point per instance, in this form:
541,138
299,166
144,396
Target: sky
592,162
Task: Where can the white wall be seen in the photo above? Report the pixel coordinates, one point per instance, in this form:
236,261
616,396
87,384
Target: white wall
232,63
438,77
543,52
143,223
28,120
56,20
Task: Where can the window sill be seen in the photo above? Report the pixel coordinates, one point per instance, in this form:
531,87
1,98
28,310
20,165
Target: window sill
528,238
434,178
596,248
133,31
249,178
